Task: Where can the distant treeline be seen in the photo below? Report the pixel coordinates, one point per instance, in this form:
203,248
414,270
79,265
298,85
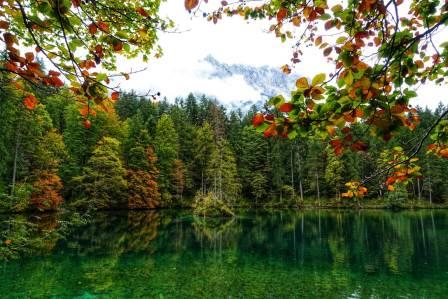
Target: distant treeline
144,154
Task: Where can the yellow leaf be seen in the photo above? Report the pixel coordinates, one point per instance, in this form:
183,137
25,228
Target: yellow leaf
302,84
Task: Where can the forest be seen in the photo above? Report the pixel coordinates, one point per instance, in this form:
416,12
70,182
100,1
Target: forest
138,153
335,186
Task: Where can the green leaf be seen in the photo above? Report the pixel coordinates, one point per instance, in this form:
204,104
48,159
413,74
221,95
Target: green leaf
318,79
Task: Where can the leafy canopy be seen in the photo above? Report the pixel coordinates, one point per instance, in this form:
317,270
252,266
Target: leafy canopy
381,52
79,40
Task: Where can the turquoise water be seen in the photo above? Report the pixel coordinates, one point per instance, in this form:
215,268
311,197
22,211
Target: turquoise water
281,254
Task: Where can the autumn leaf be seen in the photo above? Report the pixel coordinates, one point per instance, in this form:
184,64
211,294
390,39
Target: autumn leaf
7,242
328,51
281,14
286,107
286,69
87,124
190,4
258,119
103,26
56,82
118,46
115,95
142,11
302,83
92,29
30,102
4,25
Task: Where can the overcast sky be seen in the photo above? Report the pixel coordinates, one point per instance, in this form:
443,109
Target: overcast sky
182,70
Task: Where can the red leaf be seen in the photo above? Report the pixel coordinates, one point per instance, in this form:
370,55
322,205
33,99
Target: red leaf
142,11
118,47
103,26
93,29
281,14
30,102
56,82
286,107
359,146
258,119
76,3
115,95
54,73
87,124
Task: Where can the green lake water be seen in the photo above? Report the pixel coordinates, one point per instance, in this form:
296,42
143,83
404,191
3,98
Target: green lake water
281,254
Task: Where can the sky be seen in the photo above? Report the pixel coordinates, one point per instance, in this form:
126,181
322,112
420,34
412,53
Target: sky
182,69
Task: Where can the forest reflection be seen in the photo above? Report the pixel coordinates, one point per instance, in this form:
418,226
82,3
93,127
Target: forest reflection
347,250
370,238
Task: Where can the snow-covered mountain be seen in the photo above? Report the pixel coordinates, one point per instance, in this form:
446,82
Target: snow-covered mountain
266,81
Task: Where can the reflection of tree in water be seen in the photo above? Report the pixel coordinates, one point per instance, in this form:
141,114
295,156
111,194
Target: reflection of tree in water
117,233
212,230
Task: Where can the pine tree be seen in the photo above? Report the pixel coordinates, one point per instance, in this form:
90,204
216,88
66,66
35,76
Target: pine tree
102,183
204,146
333,172
222,174
167,147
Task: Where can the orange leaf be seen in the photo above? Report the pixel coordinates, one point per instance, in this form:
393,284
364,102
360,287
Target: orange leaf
286,107
302,83
281,14
87,124
190,4
30,102
286,69
115,95
7,242
258,119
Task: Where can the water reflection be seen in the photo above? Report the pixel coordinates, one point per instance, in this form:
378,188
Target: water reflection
281,254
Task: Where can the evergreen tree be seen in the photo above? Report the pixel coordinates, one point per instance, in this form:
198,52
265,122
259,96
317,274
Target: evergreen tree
167,147
333,172
102,183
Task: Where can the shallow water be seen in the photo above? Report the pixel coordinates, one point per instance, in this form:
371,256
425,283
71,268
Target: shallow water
281,254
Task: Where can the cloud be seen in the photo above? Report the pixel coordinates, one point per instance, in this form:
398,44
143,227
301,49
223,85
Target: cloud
182,70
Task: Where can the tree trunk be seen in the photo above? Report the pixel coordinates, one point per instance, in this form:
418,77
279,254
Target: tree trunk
14,170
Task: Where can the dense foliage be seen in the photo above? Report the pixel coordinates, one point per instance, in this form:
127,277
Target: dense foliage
142,154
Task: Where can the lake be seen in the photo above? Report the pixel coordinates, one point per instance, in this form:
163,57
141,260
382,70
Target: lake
259,254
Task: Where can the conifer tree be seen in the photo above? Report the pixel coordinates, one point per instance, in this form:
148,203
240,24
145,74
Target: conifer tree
166,145
102,183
